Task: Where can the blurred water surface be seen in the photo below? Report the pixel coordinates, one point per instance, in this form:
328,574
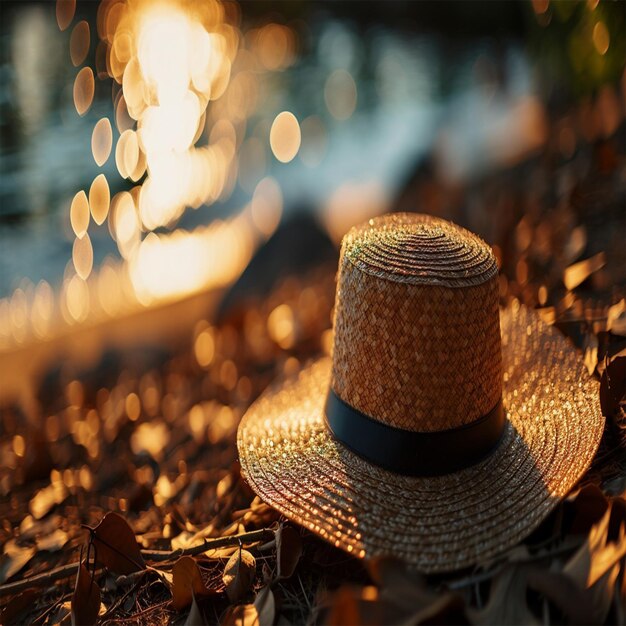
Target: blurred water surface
359,141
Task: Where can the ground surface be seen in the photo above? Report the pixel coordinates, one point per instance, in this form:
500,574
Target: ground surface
146,442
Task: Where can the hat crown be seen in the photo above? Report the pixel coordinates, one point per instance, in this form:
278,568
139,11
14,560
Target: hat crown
417,334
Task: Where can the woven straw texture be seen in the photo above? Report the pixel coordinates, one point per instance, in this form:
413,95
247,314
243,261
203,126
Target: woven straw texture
417,336
437,523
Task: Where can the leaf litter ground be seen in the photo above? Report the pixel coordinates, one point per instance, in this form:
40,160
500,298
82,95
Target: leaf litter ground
124,504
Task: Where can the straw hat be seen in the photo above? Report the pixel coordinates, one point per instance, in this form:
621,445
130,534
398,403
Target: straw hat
443,430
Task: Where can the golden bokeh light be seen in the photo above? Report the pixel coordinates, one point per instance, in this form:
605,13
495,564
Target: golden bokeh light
140,167
99,199
19,445
65,10
275,46
109,289
123,120
126,224
84,89
79,43
267,206
79,214
601,38
351,203
540,6
165,90
101,141
127,153
340,94
42,309
280,326
77,299
185,83
169,266
285,136
204,348
82,256
133,407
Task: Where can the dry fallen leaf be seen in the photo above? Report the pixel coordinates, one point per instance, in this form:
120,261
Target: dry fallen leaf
584,508
187,582
361,606
14,610
507,600
577,273
221,554
239,575
288,550
594,568
590,352
86,599
14,558
46,498
563,592
265,606
195,617
613,385
240,615
260,613
54,541
62,615
616,318
398,585
30,528
116,546
408,591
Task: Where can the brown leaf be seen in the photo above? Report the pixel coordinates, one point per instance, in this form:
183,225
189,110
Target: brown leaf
597,555
361,606
239,575
577,273
563,593
187,582
14,559
86,599
398,585
240,615
195,617
37,461
590,350
616,318
408,591
54,541
594,568
18,606
613,385
47,498
116,546
507,600
585,508
261,613
265,606
221,554
62,616
30,528
288,550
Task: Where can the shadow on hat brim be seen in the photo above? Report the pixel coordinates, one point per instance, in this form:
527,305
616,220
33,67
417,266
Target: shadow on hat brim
440,523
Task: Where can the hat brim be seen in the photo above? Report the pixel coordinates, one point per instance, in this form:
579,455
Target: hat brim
437,523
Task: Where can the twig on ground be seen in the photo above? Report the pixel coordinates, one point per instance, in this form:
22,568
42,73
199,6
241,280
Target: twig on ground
69,570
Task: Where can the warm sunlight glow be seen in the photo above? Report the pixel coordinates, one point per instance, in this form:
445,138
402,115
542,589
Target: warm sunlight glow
172,59
101,141
285,136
